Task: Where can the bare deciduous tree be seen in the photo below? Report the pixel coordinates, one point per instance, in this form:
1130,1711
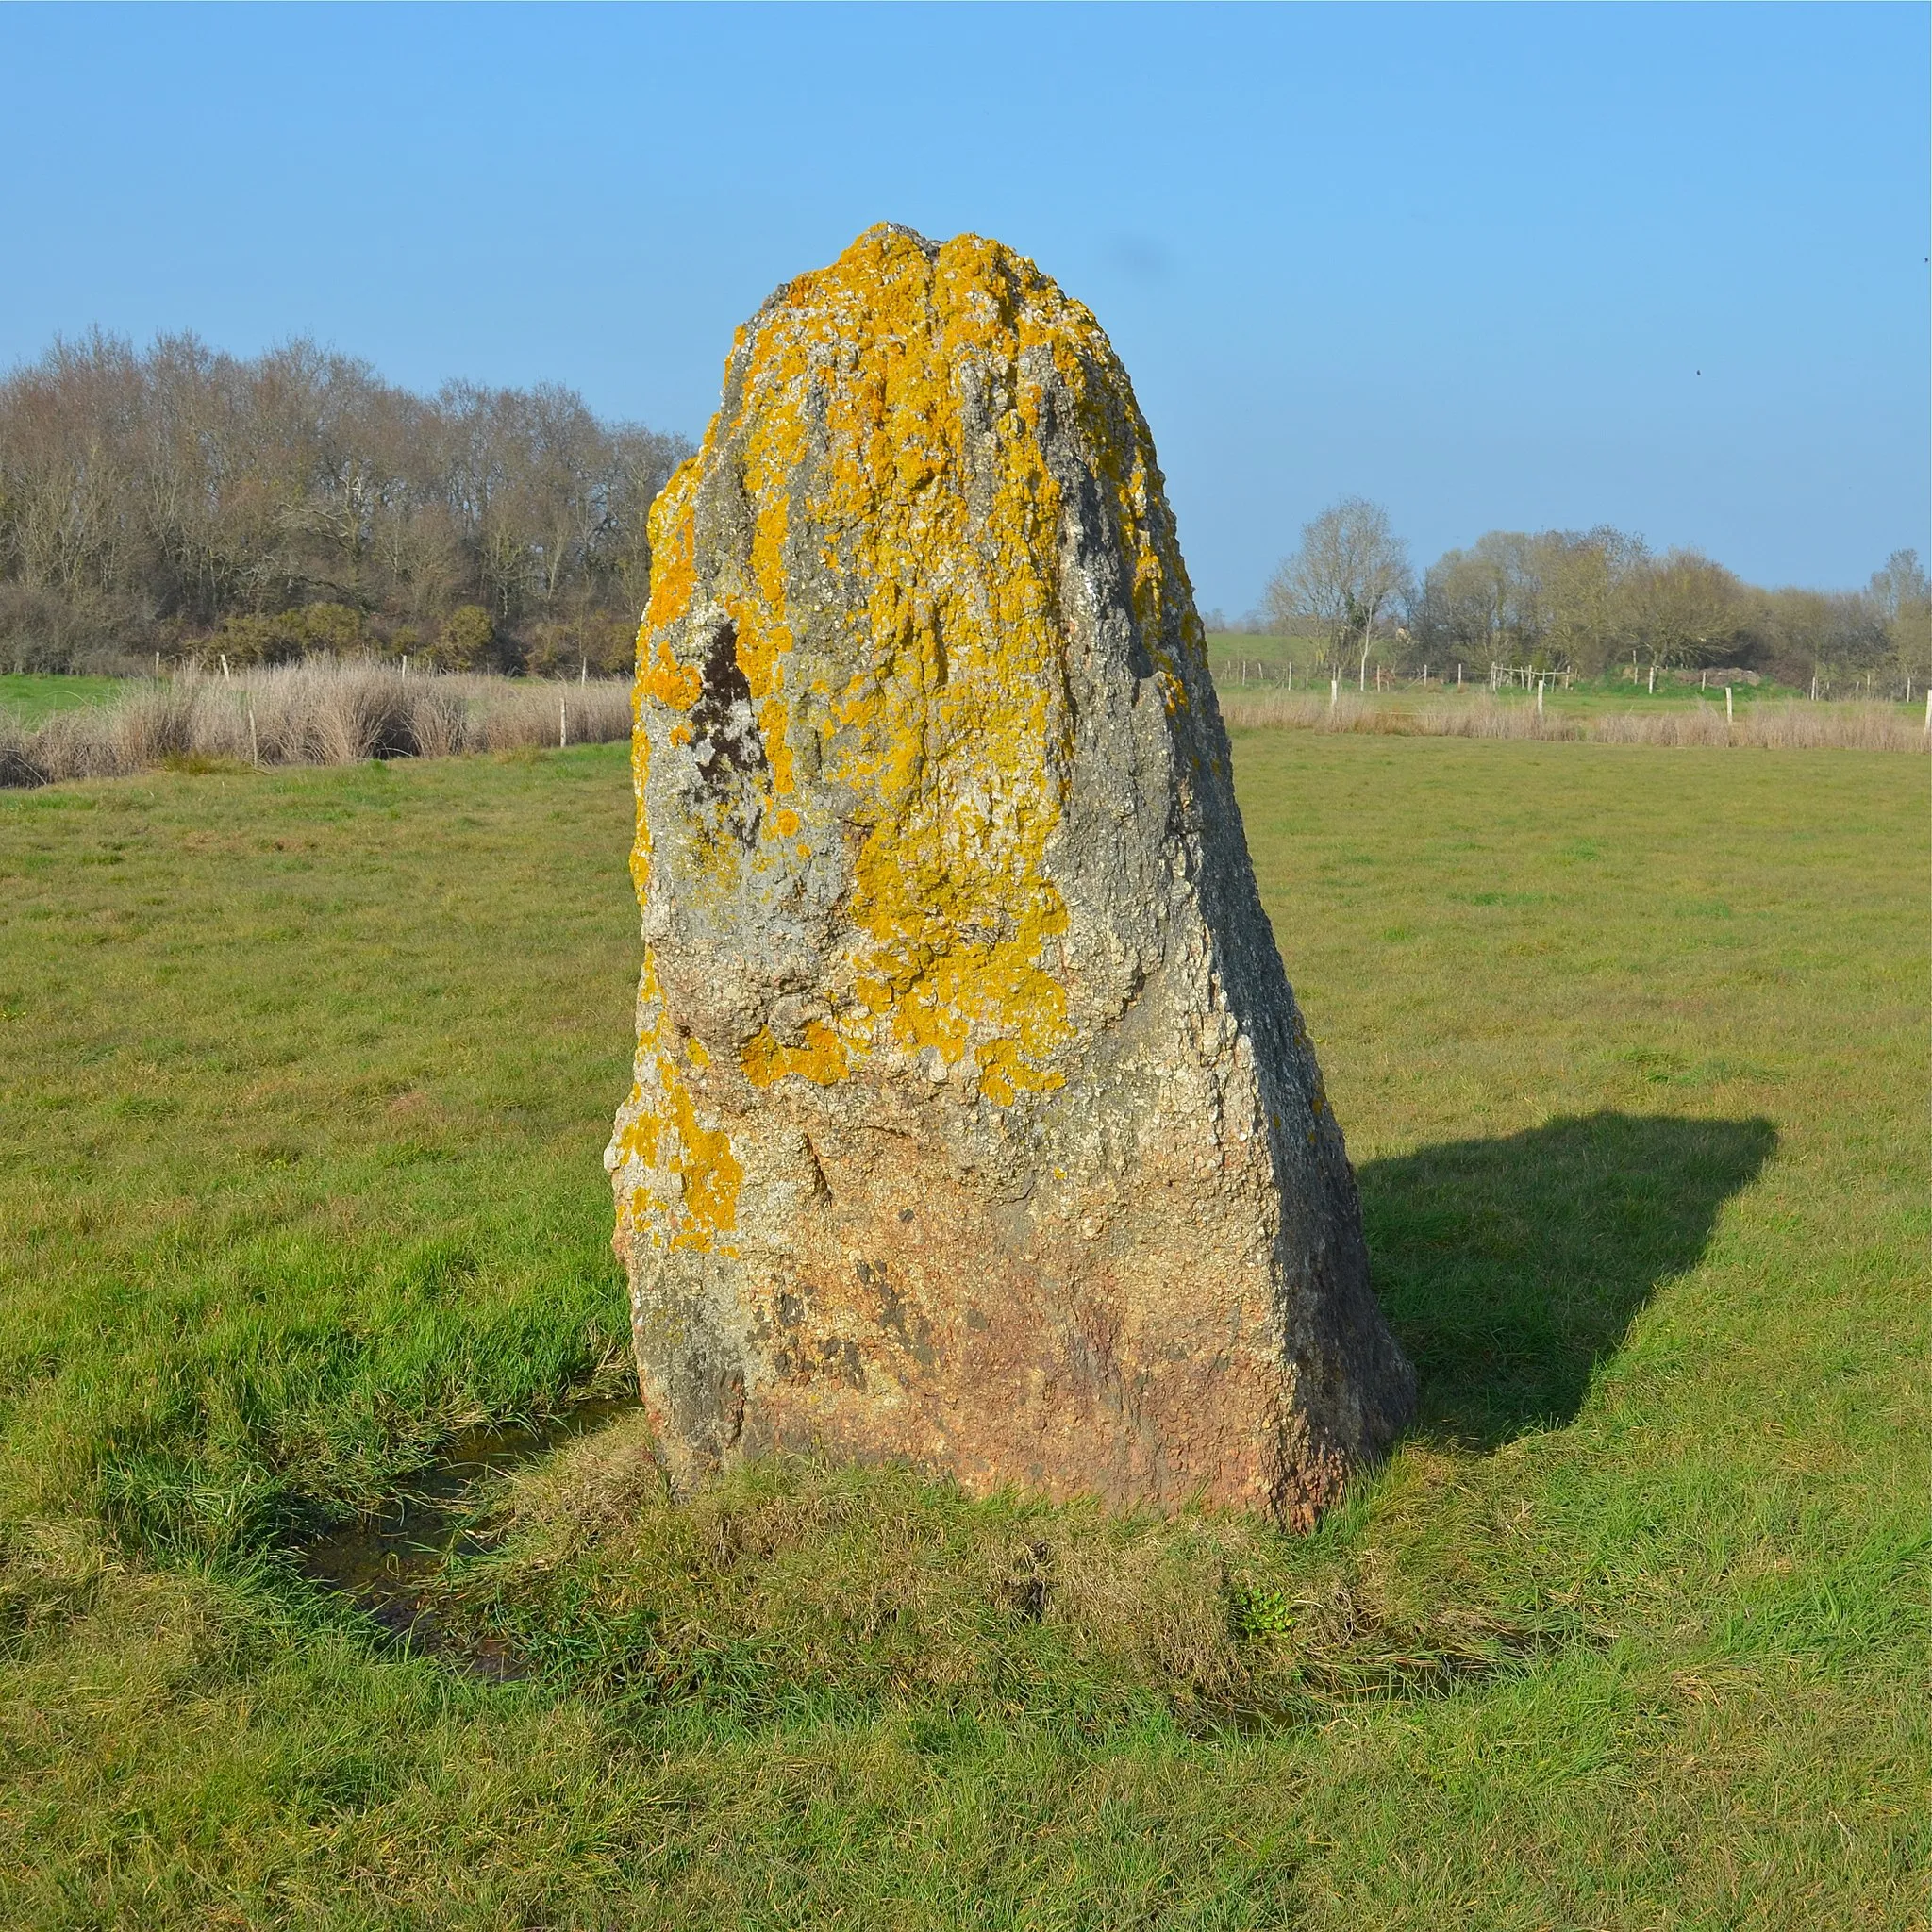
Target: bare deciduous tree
172,492
1902,596
1347,575
1556,597
1685,609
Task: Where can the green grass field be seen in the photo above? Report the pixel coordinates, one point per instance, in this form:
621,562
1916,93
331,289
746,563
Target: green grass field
304,1080
31,697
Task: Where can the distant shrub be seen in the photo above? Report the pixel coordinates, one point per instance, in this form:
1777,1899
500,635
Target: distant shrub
84,630
283,637
466,640
598,640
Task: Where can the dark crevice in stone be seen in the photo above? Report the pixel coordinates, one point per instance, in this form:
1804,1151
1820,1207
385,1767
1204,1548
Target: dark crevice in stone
724,734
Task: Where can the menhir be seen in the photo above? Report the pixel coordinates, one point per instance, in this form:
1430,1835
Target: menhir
975,1124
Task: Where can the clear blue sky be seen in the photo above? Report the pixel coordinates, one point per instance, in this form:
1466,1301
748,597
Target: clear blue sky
1468,261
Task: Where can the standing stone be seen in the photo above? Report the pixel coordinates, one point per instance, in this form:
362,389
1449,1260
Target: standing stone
975,1124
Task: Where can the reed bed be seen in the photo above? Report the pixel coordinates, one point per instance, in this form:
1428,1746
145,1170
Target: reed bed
321,713
1791,727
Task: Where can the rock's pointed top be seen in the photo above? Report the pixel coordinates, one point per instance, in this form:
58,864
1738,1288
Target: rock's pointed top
899,232
887,260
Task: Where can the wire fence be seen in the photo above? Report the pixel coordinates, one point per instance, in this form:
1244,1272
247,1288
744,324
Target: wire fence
1794,726
336,713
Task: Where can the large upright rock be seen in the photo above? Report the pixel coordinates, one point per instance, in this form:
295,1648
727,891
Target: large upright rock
975,1124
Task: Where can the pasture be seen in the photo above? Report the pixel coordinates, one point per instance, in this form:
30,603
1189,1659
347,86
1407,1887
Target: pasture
30,696
304,1078
1251,666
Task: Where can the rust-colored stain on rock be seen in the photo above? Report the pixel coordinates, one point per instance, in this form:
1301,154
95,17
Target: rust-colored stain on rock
973,1121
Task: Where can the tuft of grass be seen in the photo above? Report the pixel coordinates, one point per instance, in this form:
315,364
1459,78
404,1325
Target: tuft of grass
797,1588
303,1074
200,764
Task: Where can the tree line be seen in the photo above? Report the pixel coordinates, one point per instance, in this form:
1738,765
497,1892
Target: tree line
261,508
187,502
1586,601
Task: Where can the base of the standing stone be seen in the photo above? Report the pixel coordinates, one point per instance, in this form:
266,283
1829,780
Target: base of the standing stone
1126,1340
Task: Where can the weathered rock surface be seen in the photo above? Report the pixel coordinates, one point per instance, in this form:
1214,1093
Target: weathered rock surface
974,1122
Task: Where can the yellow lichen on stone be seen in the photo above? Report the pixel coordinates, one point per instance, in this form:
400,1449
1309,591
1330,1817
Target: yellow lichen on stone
820,1058
957,677
711,1170
664,1132
673,540
949,732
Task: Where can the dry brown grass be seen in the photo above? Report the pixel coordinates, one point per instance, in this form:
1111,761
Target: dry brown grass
336,713
793,1581
1792,726
318,713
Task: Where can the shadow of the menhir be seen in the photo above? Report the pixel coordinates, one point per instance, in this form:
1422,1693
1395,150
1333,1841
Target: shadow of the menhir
1509,1268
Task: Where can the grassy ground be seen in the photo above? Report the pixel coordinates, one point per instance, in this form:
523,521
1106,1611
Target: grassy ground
31,697
302,1080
